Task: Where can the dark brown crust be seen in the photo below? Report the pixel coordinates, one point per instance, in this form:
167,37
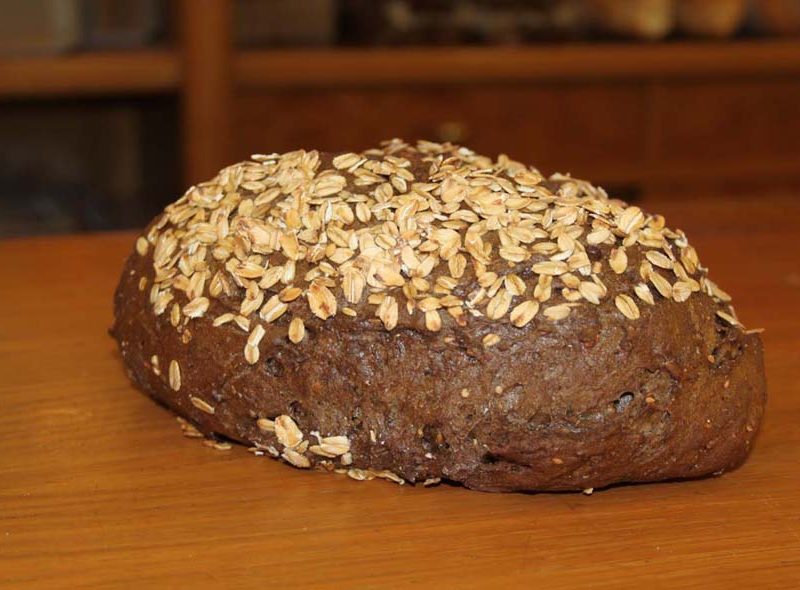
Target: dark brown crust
586,402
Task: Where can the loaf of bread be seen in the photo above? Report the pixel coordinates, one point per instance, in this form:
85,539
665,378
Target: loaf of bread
422,313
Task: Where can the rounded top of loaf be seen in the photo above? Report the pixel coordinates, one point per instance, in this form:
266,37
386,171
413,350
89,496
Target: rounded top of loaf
428,236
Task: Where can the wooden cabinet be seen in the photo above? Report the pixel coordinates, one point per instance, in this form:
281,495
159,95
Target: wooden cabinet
641,134
590,129
728,119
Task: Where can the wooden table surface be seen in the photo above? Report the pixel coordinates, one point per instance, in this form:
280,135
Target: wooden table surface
98,487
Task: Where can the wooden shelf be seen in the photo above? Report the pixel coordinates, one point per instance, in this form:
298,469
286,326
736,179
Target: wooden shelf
159,70
371,66
90,73
208,74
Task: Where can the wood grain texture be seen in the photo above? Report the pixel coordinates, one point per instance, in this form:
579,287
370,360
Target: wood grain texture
98,488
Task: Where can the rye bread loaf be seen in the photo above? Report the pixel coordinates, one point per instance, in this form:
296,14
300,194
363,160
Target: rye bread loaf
423,313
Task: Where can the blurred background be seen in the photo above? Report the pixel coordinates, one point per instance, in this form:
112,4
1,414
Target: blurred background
108,108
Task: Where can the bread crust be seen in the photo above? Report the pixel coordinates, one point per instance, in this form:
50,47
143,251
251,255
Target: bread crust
588,401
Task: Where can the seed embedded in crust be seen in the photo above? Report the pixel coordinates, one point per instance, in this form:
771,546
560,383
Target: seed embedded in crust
290,294
523,313
598,236
550,267
251,302
661,284
456,265
689,259
557,312
728,318
515,285
643,292
273,309
222,319
202,405
681,291
712,289
353,285
331,446
242,322
317,450
265,425
590,291
142,246
329,185
196,308
251,354
321,301
618,261
429,304
514,253
630,219
627,306
256,335
659,259
543,288
343,161
287,431
498,305
490,340
388,312
433,321
271,277
338,445
174,375
297,330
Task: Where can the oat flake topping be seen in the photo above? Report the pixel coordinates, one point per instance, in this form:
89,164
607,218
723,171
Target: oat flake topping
404,230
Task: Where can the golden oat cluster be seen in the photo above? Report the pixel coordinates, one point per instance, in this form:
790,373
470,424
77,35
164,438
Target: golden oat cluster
430,229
